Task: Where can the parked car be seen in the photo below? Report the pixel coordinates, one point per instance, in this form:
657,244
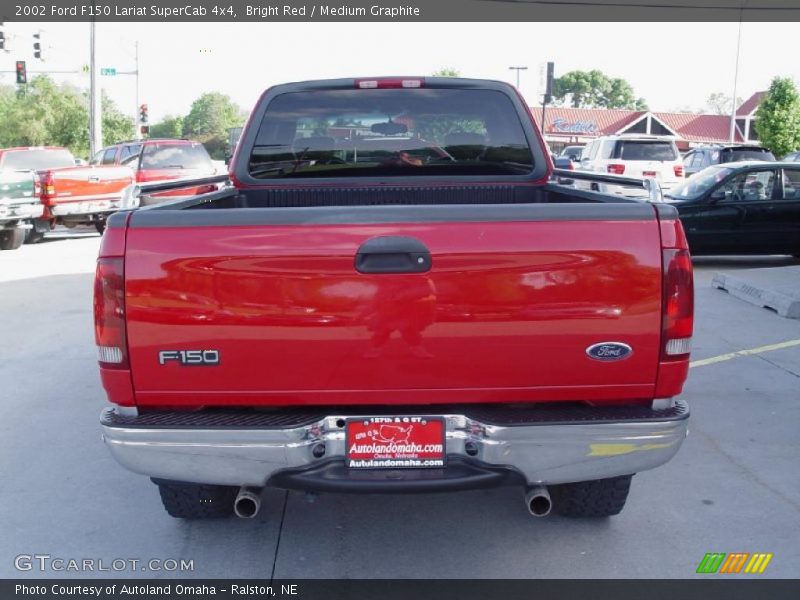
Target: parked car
792,157
633,156
19,205
161,160
699,158
573,152
741,208
72,195
435,322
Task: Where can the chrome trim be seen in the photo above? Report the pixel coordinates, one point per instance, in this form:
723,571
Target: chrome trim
542,453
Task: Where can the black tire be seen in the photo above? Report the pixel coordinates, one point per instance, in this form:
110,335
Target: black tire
33,236
599,498
100,226
11,239
196,501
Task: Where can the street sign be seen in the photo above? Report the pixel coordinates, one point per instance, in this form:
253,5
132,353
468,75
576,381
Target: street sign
108,71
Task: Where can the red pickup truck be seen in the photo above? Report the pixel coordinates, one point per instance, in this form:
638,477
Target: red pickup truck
392,297
72,195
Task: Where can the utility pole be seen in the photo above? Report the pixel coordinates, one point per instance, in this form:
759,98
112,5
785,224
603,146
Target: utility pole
95,95
137,128
517,69
731,135
547,97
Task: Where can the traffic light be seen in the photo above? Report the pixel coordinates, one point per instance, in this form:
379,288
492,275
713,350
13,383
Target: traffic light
22,72
37,45
143,115
145,129
2,36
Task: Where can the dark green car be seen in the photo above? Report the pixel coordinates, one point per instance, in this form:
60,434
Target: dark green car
19,205
741,208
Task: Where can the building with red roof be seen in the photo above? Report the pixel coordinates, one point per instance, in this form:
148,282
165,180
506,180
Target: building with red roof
565,126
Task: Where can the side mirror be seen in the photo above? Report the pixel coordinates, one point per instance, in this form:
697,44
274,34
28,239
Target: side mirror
717,195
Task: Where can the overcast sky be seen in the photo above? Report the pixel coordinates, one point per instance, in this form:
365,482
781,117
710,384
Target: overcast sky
671,65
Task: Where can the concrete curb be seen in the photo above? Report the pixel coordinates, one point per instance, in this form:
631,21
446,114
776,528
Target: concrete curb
776,289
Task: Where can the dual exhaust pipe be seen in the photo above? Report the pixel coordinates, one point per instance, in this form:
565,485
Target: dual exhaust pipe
248,502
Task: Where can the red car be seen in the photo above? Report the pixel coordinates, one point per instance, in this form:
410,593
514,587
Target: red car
161,160
346,319
72,195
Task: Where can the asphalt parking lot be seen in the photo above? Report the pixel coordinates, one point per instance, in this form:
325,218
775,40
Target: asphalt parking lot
733,487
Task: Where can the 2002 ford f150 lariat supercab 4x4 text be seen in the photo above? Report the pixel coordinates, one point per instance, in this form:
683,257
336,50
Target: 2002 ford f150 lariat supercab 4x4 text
391,297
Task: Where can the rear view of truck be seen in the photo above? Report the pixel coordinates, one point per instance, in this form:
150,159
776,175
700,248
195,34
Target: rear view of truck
392,298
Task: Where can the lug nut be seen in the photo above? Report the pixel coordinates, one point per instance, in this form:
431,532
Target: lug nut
318,451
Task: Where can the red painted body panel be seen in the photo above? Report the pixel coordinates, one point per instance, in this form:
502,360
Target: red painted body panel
90,184
505,314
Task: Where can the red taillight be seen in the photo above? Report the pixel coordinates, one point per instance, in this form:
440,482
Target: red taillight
389,83
678,319
678,170
109,314
48,190
616,169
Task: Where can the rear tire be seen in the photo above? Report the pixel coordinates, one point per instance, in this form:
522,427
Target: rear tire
33,237
599,498
100,226
196,501
11,239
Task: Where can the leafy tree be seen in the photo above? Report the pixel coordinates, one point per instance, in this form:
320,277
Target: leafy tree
46,113
778,117
595,89
209,119
720,103
446,72
168,127
116,126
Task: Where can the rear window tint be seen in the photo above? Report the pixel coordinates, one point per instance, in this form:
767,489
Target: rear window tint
737,154
645,150
175,156
386,132
38,160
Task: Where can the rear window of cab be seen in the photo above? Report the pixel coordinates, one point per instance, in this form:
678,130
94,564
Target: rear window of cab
646,150
386,132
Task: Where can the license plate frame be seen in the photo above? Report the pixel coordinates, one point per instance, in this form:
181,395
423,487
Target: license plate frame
395,442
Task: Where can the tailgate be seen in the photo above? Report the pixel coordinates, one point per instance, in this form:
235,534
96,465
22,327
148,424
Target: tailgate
502,309
87,184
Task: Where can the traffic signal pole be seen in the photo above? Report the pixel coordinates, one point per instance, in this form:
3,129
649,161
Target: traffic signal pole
137,129
95,110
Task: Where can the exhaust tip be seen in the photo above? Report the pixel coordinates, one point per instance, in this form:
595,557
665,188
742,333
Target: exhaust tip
247,503
538,502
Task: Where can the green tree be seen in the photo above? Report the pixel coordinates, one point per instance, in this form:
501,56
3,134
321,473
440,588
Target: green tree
778,117
46,113
595,89
209,119
446,72
116,126
168,127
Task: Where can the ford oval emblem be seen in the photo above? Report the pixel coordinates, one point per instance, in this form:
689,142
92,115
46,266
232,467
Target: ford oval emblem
607,351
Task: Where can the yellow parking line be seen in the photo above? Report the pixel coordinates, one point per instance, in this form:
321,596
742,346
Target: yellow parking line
723,357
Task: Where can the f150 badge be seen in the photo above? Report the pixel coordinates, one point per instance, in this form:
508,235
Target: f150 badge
189,358
608,351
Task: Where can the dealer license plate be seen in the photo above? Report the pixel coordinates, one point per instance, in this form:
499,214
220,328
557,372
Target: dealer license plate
649,174
395,442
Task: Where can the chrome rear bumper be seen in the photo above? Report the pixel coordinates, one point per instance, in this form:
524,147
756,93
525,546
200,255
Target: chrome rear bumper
540,451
